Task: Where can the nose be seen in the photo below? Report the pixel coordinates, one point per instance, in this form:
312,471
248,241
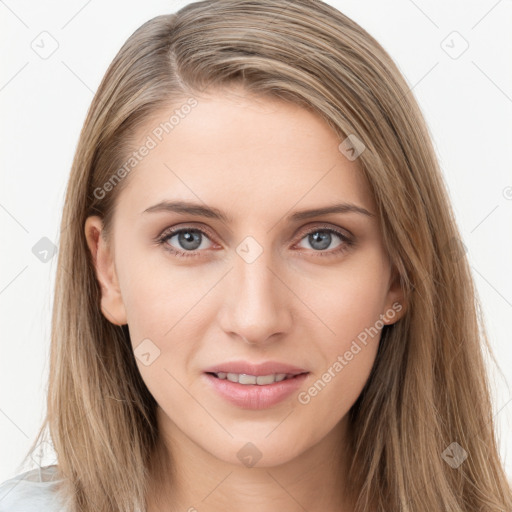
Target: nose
257,307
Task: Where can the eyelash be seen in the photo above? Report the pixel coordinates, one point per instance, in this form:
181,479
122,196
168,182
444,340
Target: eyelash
346,244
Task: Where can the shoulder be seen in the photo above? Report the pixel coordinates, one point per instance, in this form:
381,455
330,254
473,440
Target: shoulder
35,490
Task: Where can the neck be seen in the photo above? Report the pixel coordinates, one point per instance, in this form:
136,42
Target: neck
183,477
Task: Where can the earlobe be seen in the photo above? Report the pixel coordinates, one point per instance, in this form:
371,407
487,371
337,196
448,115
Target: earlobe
112,305
395,303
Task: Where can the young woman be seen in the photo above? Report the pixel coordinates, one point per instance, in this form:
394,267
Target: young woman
261,300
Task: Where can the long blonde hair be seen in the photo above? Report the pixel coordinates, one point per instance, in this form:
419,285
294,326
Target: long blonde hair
428,388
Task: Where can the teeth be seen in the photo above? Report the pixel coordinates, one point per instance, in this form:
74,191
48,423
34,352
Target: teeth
260,380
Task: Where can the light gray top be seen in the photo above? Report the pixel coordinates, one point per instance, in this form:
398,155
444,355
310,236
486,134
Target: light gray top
32,491
35,490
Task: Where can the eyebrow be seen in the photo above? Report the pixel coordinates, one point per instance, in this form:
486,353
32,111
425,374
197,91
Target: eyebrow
199,210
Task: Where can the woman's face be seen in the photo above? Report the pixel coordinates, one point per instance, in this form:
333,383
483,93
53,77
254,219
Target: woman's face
245,270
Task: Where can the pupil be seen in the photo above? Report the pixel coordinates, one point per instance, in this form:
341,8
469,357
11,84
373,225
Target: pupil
190,240
320,239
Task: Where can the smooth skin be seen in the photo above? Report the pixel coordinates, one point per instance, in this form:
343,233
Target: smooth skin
303,300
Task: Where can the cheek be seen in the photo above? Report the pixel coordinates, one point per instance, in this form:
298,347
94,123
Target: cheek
157,293
165,313
163,331
349,306
351,310
350,298
329,395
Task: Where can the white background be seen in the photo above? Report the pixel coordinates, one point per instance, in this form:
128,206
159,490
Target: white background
467,102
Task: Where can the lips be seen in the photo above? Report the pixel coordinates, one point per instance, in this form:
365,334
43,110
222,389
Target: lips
250,395
257,369
254,396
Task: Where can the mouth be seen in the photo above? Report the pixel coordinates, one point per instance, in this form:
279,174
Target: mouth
258,380
254,391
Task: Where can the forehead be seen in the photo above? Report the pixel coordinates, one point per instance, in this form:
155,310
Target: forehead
234,151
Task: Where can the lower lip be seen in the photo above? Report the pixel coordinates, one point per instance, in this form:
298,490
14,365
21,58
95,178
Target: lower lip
253,396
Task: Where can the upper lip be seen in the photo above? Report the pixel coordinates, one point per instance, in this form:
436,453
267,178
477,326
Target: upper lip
266,368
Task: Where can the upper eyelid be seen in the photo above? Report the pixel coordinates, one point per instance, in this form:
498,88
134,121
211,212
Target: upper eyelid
170,232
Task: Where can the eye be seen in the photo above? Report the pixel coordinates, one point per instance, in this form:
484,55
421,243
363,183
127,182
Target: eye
190,242
186,241
322,238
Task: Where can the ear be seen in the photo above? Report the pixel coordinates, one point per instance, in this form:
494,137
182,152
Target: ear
395,306
112,305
